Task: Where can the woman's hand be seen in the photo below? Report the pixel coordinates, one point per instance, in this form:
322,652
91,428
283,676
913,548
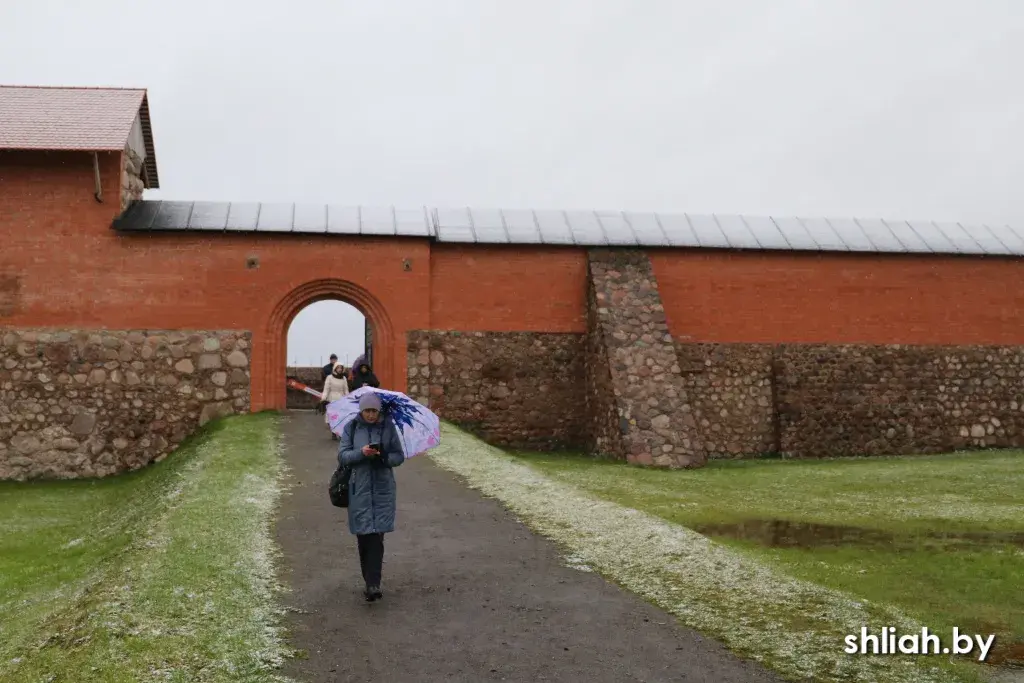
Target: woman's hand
369,452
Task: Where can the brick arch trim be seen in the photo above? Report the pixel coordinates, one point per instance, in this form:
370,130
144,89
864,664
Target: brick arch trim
272,353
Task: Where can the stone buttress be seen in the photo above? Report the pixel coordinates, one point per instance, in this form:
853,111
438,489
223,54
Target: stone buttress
636,400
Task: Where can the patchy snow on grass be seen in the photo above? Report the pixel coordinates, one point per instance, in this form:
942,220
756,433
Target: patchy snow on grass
578,563
194,595
793,626
240,598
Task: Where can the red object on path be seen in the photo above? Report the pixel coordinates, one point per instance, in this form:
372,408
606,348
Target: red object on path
295,384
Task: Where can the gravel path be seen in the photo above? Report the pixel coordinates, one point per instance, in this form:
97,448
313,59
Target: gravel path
470,594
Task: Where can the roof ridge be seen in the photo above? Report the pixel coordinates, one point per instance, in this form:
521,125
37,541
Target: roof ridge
74,87
77,118
760,232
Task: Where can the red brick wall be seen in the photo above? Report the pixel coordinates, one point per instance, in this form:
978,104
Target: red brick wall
883,299
63,266
72,270
54,191
504,289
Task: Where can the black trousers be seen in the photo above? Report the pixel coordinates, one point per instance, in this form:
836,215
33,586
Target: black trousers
371,557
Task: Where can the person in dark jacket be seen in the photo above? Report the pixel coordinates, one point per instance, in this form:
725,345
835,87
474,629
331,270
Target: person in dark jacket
363,377
371,447
329,368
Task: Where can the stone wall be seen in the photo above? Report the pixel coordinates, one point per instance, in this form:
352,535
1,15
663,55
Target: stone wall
731,389
605,429
311,377
515,389
79,403
879,400
657,421
819,400
131,177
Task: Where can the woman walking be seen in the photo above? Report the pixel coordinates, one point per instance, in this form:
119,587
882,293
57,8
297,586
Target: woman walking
335,387
371,447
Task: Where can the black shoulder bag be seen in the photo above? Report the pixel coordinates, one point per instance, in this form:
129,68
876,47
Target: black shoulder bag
337,489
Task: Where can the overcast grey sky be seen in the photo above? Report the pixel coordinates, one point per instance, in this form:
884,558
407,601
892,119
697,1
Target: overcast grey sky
873,108
324,328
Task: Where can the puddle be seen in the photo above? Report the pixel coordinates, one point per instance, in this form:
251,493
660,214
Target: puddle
779,533
1007,651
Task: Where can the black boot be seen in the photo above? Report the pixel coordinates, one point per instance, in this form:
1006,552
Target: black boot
373,593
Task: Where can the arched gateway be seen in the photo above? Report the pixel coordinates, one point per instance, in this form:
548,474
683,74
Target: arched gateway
270,347
660,339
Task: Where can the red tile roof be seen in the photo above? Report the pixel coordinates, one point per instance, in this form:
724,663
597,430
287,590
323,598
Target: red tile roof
82,119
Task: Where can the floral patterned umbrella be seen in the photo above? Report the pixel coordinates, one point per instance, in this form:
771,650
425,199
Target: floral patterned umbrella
418,428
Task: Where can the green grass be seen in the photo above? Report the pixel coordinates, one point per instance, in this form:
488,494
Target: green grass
161,574
740,598
977,587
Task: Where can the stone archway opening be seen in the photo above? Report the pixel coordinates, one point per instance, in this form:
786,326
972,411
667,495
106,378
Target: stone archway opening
320,330
270,376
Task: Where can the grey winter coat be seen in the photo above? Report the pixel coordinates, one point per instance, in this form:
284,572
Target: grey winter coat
371,490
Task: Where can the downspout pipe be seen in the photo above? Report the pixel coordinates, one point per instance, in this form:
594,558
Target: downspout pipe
96,171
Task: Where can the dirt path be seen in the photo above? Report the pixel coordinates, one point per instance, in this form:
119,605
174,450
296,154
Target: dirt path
470,594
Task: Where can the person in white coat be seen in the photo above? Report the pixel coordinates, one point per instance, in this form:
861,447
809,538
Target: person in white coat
335,387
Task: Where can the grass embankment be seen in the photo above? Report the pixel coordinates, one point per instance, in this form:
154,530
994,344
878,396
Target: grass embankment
940,537
788,608
161,574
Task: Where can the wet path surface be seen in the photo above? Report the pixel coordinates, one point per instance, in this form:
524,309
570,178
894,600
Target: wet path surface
470,594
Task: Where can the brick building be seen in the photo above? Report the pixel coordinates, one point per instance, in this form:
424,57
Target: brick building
666,339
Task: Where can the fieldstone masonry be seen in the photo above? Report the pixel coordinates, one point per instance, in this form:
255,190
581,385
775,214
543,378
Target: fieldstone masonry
91,403
731,386
131,177
824,400
517,389
850,400
656,419
603,429
95,403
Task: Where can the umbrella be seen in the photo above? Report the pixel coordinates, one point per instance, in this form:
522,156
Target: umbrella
418,428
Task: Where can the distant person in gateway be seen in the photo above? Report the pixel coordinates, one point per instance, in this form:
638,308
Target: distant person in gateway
360,359
362,376
325,374
335,388
329,368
